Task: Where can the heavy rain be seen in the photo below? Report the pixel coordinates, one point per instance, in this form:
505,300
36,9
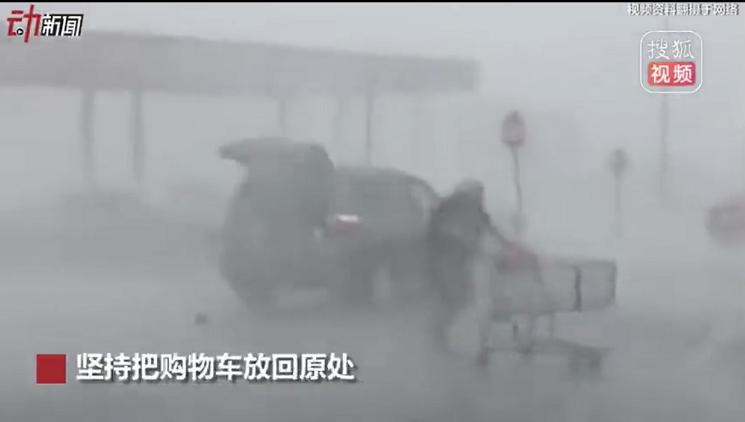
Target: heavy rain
117,200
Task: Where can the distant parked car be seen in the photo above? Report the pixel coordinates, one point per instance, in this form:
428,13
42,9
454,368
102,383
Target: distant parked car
725,221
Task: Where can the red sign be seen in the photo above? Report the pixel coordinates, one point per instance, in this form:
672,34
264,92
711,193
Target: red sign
619,161
513,129
43,25
671,73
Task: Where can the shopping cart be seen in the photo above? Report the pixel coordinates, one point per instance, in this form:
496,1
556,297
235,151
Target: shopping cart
542,289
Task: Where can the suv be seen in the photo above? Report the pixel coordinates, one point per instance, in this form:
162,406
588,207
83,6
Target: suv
297,220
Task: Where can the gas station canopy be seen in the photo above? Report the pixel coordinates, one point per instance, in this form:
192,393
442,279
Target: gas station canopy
183,65
140,64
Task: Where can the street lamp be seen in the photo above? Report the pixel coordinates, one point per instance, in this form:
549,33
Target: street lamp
618,162
513,136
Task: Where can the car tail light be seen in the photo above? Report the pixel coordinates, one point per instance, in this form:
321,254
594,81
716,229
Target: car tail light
342,223
347,219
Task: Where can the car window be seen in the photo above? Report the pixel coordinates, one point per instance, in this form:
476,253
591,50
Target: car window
399,199
370,196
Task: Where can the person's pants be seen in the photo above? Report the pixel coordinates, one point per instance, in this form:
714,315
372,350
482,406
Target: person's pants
452,298
467,286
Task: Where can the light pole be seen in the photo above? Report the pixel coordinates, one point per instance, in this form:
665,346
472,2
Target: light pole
618,161
513,136
664,148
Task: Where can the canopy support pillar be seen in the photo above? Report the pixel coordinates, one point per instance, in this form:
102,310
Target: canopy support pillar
283,106
342,110
417,111
137,137
87,137
369,115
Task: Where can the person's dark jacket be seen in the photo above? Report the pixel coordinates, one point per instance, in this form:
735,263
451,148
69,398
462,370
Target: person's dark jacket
453,234
459,219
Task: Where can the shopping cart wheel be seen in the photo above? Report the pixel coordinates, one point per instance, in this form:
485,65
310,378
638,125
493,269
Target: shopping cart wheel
527,352
575,365
585,366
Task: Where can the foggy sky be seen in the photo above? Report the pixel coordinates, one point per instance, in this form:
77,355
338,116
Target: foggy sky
572,63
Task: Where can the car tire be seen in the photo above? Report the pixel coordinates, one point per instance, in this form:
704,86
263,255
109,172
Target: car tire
371,274
357,289
394,279
382,284
388,275
247,285
408,272
253,294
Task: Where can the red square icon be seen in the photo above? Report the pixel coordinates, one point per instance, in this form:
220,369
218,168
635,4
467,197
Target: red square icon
51,369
